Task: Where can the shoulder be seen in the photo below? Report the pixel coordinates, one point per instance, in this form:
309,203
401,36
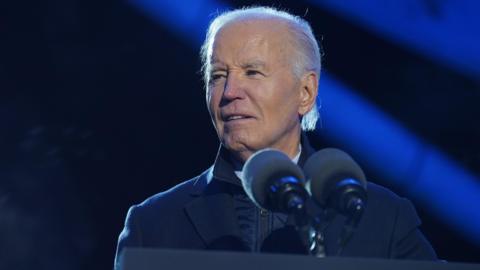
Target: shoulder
381,192
387,214
174,198
382,202
382,196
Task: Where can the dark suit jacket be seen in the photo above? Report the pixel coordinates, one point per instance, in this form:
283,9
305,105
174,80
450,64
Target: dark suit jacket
199,214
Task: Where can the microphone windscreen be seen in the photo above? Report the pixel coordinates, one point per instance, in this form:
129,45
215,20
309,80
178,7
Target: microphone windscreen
327,167
263,167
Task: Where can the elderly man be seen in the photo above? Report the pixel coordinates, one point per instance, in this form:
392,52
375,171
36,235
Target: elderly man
261,69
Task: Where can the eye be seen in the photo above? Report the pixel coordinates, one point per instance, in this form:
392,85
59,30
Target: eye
252,72
216,76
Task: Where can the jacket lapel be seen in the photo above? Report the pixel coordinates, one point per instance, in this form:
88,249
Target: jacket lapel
213,215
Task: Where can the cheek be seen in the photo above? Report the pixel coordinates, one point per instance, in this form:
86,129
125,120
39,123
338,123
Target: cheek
213,101
283,104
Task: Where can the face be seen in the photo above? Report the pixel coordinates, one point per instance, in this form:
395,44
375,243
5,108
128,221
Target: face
253,97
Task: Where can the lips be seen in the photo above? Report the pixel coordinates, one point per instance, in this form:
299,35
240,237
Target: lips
235,116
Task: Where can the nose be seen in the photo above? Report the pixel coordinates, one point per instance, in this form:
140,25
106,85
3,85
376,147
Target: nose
234,88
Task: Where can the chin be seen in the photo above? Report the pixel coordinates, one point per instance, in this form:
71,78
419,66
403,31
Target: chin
242,149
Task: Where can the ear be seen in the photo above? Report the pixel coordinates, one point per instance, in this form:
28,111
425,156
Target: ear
308,92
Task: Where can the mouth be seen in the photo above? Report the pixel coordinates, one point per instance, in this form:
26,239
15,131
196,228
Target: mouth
235,118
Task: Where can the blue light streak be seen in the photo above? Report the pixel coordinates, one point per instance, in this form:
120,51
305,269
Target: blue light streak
445,31
188,19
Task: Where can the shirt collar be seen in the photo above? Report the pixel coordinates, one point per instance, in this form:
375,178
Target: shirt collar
224,167
239,168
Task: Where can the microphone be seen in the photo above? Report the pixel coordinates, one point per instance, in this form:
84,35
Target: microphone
274,182
335,180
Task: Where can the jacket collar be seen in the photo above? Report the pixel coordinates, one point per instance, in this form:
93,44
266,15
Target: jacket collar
223,169
212,211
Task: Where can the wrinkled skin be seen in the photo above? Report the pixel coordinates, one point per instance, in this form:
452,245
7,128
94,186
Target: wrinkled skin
254,99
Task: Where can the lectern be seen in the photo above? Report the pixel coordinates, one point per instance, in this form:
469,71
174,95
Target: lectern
163,259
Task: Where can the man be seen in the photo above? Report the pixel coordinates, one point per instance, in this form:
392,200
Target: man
261,69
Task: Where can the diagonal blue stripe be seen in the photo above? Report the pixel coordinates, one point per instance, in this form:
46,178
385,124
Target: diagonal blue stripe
447,32
188,18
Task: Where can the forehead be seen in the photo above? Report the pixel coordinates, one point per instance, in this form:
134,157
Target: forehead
255,39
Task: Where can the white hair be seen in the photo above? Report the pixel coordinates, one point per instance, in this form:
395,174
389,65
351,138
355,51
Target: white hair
307,54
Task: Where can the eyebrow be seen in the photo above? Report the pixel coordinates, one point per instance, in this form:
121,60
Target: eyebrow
218,65
217,68
254,64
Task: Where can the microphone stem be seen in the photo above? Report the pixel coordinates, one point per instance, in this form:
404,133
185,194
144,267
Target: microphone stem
312,238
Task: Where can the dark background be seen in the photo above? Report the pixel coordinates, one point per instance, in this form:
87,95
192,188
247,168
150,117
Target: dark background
99,106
